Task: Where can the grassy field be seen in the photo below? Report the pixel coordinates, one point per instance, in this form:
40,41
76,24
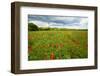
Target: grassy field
46,45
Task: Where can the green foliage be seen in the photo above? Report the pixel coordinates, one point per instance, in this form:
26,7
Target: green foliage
59,29
42,29
70,44
32,27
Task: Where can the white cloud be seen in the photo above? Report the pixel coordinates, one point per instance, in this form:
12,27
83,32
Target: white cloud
63,18
84,20
84,23
78,25
40,23
55,24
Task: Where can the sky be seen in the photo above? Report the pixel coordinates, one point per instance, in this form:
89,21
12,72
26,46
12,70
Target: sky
70,22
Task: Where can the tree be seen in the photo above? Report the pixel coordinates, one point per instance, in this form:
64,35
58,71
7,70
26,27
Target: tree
32,27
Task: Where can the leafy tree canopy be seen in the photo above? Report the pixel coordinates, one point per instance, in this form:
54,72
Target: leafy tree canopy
32,27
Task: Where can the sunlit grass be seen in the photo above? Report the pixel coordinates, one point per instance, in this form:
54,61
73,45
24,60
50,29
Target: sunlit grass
46,45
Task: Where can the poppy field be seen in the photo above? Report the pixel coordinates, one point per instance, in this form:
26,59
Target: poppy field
62,44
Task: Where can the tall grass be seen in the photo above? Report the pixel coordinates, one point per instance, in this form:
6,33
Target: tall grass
46,45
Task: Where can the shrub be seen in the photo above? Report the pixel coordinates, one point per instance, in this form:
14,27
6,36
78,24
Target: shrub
32,27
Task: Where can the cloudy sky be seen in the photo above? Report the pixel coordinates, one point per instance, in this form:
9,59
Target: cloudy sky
70,22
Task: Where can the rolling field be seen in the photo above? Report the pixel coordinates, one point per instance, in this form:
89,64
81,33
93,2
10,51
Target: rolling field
49,45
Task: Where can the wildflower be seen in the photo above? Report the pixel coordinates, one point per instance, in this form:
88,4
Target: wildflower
52,56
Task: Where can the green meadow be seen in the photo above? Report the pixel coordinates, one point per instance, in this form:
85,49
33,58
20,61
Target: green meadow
57,44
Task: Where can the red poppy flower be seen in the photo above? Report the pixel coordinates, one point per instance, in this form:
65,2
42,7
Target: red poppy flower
52,56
